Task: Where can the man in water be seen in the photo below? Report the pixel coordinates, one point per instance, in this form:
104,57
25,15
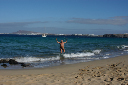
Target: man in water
61,45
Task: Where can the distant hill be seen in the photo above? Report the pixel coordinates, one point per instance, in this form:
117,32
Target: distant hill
116,35
23,32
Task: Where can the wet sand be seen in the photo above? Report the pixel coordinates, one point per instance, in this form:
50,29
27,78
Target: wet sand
112,71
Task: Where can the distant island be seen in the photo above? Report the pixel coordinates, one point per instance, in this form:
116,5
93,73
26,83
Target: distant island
23,32
116,35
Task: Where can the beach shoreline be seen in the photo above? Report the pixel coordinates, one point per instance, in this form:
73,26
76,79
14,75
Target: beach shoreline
111,71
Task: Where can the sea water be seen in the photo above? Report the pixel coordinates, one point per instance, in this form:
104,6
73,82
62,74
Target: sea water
42,52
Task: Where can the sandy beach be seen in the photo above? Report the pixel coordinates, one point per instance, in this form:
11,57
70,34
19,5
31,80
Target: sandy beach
112,71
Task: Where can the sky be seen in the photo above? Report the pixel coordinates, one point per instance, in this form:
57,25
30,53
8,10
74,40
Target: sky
64,16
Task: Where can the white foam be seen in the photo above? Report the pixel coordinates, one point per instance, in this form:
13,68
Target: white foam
118,46
124,46
88,58
73,55
96,51
107,54
106,57
125,50
34,59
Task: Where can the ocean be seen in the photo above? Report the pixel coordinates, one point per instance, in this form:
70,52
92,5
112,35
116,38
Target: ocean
41,52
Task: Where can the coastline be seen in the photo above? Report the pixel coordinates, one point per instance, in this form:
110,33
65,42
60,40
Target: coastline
30,33
96,72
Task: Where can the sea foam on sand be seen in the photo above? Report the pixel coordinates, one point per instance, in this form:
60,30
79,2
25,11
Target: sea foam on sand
111,71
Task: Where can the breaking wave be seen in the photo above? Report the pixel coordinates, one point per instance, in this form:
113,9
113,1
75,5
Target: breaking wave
35,59
78,55
68,55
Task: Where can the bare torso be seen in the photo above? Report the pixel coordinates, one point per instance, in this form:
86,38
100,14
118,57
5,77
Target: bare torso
61,45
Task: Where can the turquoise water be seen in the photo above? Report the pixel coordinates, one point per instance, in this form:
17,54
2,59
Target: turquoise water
44,52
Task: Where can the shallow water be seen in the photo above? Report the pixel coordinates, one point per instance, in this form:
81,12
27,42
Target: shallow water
44,52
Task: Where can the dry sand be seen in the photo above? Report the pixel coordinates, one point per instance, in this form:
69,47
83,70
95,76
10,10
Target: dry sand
112,71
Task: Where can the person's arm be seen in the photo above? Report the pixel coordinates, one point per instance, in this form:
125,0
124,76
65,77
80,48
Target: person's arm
66,41
57,41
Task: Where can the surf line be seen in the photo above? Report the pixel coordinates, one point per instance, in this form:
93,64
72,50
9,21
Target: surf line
61,56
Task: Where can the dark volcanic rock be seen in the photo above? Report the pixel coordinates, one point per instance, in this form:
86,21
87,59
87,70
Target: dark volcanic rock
3,61
11,61
4,65
25,65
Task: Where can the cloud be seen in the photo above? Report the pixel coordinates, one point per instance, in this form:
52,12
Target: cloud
117,20
18,24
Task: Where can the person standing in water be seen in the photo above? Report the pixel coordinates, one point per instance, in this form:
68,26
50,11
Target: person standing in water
61,45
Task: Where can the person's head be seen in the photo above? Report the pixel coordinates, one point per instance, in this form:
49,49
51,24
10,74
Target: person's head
61,40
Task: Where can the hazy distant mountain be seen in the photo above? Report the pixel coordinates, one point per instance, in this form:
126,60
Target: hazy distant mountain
23,32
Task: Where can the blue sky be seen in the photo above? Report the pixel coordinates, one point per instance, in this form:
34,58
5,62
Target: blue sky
64,16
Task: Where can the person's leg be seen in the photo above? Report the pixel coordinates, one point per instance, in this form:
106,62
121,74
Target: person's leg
61,50
64,50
